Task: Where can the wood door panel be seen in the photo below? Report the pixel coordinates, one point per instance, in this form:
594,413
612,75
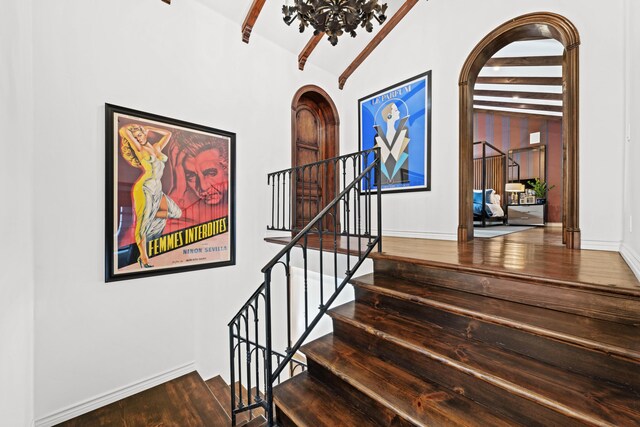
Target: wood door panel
308,127
314,139
306,156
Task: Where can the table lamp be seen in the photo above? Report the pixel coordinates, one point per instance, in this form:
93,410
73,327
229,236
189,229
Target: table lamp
514,188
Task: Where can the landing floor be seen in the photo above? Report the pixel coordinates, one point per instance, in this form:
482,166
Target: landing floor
535,254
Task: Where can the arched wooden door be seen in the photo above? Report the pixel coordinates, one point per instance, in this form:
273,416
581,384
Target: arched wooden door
314,137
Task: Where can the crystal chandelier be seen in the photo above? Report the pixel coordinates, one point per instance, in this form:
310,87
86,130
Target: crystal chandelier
335,17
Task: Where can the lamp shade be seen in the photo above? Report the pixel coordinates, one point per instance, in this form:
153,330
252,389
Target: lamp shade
514,187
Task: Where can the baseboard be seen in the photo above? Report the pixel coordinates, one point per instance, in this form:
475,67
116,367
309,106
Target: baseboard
418,235
632,258
112,396
601,245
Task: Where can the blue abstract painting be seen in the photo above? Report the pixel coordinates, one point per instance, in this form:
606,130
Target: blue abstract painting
397,120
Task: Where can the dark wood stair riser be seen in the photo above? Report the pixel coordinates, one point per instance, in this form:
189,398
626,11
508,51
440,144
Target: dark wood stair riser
570,357
283,420
542,293
517,408
357,399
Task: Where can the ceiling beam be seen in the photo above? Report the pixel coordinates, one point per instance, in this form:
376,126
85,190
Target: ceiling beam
515,94
251,18
517,114
311,45
167,1
544,81
519,106
525,61
382,34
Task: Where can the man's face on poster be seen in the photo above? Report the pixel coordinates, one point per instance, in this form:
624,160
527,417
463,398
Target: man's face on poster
207,175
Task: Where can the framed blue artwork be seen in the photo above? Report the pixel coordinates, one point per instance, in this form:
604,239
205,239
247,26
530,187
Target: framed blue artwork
398,121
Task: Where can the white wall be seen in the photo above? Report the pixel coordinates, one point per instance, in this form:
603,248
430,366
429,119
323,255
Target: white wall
183,61
16,252
631,219
439,35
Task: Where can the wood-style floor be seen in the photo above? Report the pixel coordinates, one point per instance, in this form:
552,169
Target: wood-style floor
533,254
183,402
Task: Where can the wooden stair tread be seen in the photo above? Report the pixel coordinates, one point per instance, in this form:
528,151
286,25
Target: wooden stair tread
536,263
222,392
184,401
573,395
417,401
308,402
258,421
605,336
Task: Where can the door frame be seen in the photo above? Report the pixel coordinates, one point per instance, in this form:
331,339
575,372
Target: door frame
331,135
529,26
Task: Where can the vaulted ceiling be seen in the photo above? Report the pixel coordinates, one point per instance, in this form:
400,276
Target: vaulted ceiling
334,59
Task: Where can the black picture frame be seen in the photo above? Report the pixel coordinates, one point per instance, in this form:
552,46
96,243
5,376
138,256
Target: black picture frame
367,116
169,196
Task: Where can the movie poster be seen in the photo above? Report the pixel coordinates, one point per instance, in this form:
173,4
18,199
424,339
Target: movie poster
397,120
170,195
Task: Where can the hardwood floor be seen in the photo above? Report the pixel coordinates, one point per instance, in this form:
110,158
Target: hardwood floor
183,402
186,401
536,254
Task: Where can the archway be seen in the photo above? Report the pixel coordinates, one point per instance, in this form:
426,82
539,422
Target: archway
315,129
530,26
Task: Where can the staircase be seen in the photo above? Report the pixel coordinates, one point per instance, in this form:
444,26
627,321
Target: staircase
436,344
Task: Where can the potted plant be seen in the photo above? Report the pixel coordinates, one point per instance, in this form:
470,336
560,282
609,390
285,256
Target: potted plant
540,188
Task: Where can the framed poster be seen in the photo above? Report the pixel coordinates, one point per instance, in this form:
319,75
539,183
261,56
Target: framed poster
170,189
398,121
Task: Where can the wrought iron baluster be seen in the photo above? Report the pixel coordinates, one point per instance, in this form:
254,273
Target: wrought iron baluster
379,198
358,193
248,355
302,201
272,199
232,375
306,283
321,267
288,273
257,349
335,249
294,200
278,201
284,198
268,367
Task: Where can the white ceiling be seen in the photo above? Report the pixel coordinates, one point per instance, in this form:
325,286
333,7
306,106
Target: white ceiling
334,59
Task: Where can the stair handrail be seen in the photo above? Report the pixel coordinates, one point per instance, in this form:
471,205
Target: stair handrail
251,309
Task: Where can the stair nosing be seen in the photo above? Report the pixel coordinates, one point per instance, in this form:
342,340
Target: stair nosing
489,378
560,336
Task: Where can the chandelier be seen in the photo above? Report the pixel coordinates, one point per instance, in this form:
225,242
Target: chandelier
335,17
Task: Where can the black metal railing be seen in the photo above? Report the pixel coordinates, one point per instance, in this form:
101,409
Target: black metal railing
281,313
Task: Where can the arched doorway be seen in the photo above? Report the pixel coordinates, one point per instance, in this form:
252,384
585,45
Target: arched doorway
315,127
530,26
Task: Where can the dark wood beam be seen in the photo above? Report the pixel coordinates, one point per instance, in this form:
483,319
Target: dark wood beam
167,1
311,45
517,114
520,106
382,34
544,81
525,61
251,18
515,94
